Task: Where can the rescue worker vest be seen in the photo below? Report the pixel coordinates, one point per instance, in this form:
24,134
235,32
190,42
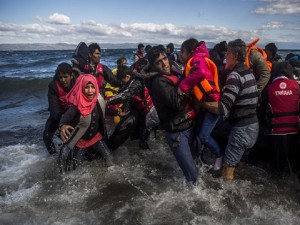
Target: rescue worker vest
145,104
62,96
83,125
285,119
251,46
206,87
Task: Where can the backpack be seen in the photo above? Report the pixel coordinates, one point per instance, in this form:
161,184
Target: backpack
252,46
80,57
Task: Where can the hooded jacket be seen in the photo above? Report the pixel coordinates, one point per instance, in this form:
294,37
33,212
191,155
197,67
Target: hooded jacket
171,107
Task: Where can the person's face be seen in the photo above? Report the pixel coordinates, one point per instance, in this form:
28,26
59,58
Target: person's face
184,54
95,56
231,60
142,49
126,79
168,50
89,91
162,63
124,62
65,79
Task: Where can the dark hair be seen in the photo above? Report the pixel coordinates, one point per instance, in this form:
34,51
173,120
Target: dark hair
93,47
123,71
154,53
64,68
140,64
282,69
171,47
238,46
121,59
140,45
148,47
221,47
189,45
272,47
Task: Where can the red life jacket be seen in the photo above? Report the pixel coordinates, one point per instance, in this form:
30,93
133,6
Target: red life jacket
62,96
99,75
139,55
172,78
145,104
189,112
284,97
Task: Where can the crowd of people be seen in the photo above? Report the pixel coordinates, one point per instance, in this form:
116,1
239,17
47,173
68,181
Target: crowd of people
229,99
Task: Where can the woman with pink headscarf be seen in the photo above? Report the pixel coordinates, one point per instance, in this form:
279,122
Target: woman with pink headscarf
82,126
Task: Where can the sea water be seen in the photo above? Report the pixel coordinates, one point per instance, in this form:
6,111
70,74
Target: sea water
143,187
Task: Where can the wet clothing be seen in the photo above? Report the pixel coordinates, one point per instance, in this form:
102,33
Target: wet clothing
140,104
57,106
201,75
137,94
172,110
96,124
240,141
178,143
238,105
86,116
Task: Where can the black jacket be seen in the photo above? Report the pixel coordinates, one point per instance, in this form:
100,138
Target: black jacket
72,117
170,106
135,87
53,100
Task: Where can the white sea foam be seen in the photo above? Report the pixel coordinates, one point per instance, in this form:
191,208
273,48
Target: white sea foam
16,160
20,196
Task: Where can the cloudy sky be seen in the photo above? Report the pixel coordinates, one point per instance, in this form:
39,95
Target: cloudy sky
149,21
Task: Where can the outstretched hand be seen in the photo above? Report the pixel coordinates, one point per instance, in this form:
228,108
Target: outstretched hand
65,132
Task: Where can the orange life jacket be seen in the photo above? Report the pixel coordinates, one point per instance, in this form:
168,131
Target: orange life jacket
252,46
206,87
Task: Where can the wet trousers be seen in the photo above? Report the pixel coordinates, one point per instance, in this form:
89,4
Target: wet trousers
240,139
179,143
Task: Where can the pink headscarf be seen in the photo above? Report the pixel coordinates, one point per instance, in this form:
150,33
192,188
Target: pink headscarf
76,95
